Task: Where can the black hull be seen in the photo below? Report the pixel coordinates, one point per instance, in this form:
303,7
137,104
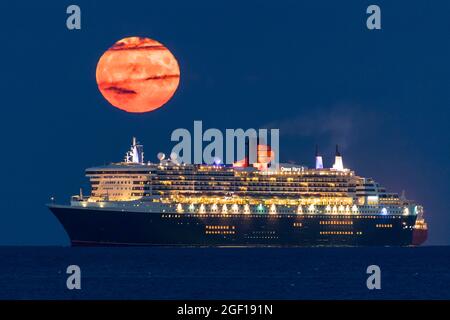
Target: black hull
100,227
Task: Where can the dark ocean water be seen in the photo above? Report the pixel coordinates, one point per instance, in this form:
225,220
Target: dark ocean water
224,273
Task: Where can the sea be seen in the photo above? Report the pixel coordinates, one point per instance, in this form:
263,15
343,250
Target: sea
225,273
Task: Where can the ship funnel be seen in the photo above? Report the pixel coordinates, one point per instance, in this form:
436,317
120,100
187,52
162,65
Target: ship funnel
251,155
136,153
338,163
319,161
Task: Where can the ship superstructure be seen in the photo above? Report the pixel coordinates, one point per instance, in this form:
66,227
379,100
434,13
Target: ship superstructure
171,203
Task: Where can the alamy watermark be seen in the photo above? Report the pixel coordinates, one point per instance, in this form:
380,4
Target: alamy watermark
374,280
73,21
236,145
74,279
373,22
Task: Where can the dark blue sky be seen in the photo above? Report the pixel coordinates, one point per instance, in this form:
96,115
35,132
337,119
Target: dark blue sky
310,68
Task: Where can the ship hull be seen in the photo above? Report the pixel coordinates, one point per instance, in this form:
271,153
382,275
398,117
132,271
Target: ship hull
419,236
103,227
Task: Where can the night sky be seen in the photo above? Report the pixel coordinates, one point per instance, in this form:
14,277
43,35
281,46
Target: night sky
312,69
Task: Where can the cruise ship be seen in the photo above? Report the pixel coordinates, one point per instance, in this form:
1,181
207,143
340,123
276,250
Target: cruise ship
139,203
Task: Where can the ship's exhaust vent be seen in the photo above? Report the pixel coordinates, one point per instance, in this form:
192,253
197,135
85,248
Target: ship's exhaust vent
136,153
319,161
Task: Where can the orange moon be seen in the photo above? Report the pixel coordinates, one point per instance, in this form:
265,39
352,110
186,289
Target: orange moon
137,74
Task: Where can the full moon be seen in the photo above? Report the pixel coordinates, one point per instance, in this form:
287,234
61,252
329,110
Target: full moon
137,74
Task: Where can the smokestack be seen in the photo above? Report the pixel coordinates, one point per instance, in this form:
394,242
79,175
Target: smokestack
319,162
257,148
338,163
137,152
247,153
251,154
